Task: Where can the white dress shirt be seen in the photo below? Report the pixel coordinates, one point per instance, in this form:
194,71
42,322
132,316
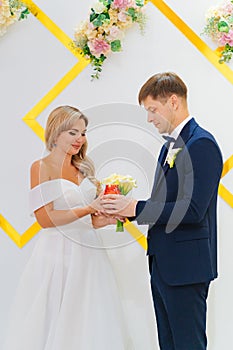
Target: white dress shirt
176,132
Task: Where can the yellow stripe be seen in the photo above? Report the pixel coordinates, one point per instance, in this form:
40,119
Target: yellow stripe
53,28
222,191
10,231
20,240
225,194
30,117
211,55
228,165
136,233
29,234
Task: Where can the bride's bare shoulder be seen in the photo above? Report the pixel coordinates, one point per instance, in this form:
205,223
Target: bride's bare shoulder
39,172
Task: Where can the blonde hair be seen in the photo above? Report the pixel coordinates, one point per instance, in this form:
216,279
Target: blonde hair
62,119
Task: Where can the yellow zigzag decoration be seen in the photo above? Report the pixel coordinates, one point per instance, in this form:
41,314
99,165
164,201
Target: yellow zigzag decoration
211,55
222,191
30,117
213,58
20,240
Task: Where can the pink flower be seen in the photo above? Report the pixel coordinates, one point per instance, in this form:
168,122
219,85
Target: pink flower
131,3
120,4
227,8
122,16
98,47
227,38
90,26
114,33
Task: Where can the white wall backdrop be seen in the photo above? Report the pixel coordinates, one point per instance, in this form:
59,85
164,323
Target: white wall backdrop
33,61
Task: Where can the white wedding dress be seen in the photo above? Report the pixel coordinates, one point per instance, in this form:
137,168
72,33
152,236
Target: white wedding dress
68,297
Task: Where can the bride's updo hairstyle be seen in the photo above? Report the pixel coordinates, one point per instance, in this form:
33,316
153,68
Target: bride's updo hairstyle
62,119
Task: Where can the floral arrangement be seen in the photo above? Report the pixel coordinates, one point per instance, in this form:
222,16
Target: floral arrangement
10,12
219,27
171,157
119,184
103,31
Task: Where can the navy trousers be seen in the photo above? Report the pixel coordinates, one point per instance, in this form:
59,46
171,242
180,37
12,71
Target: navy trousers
180,312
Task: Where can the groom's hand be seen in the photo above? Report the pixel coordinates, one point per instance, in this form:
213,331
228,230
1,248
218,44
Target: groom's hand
118,204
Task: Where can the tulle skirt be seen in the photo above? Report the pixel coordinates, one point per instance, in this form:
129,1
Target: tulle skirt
68,299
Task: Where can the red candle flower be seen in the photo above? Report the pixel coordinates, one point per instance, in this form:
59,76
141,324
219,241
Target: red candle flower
119,184
112,189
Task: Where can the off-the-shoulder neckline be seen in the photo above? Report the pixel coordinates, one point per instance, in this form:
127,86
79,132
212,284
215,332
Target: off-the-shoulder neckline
59,179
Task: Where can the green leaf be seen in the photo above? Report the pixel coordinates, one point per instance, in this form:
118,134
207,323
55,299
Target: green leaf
227,53
107,16
223,27
132,13
228,48
101,18
86,50
139,3
93,15
24,14
97,22
106,2
116,45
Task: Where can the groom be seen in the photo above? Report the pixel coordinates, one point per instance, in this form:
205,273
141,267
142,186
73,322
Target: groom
181,214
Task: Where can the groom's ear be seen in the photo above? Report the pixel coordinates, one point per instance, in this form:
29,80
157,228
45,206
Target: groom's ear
174,102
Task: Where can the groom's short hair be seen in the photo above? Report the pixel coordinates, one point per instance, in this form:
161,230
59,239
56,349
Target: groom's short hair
162,86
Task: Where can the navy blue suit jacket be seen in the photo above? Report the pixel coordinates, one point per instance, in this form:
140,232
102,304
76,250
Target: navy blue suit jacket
181,212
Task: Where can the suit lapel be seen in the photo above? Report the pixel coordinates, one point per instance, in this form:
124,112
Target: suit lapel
185,134
182,139
158,171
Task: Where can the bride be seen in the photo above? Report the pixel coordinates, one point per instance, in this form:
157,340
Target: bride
67,297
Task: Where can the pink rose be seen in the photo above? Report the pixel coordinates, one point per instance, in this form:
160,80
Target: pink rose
131,3
98,47
120,4
114,33
227,38
227,8
90,26
122,16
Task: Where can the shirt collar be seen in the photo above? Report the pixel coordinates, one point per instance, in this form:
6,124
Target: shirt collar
176,132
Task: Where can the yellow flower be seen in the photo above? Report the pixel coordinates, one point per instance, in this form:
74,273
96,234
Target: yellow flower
126,24
100,31
171,157
125,182
91,34
6,18
113,16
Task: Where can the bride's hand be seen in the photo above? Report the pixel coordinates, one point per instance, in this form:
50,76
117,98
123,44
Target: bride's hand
96,206
99,220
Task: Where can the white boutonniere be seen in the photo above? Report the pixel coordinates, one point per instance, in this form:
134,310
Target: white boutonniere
171,157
